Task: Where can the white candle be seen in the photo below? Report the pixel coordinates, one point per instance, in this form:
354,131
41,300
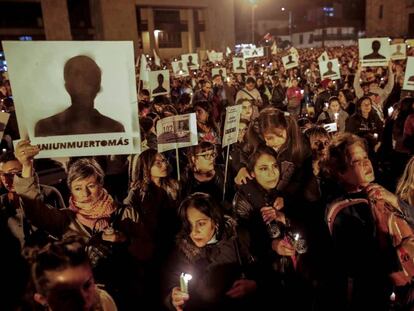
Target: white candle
390,111
375,135
392,297
336,114
297,236
184,279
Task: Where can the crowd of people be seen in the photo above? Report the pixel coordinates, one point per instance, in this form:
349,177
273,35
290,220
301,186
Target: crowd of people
298,220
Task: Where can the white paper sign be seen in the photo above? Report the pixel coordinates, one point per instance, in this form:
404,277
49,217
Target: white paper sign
398,51
191,60
219,71
159,82
231,125
254,52
177,132
85,102
215,56
409,75
330,69
180,68
324,57
4,118
239,65
374,52
290,61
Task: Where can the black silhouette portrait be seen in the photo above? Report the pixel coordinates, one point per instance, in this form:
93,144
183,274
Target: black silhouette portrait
290,60
82,82
180,69
221,72
160,88
190,61
329,72
398,51
411,79
323,58
376,45
240,65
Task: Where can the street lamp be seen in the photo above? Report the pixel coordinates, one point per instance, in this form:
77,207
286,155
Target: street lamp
289,23
254,5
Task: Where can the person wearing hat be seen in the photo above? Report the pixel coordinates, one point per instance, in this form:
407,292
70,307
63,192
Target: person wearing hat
250,92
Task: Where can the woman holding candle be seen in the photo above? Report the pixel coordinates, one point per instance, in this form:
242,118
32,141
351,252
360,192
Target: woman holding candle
334,113
212,249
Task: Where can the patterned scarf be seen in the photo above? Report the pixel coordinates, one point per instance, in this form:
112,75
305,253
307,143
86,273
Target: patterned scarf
96,214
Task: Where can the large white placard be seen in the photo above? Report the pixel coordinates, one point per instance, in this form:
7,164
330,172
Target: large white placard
409,75
177,132
239,65
253,52
191,60
290,61
159,82
85,101
398,51
323,57
215,57
374,52
231,125
330,69
180,68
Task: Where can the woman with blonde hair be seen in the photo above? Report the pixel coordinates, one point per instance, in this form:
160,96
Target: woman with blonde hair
405,186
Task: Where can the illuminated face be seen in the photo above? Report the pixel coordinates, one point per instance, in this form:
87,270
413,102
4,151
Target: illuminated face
87,190
334,106
207,88
359,172
275,138
159,167
70,285
266,171
201,115
204,161
342,99
202,227
7,171
250,86
242,131
247,110
366,107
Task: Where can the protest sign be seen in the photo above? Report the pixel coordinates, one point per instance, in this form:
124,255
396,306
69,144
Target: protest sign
330,69
374,52
231,125
215,57
409,75
177,132
398,51
253,52
219,71
323,57
159,82
239,65
191,60
85,102
180,68
290,61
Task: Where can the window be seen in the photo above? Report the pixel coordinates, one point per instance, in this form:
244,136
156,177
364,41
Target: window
80,19
381,11
311,38
168,21
300,39
20,14
411,24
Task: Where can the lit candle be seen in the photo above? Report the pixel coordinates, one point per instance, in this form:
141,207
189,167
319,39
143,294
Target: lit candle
336,114
326,105
390,111
297,236
375,135
392,297
184,279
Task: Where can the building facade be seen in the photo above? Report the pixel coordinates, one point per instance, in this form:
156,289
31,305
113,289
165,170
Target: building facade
172,27
390,18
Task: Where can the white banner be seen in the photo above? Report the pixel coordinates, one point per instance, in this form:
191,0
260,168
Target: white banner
84,103
409,75
253,52
231,125
177,132
215,56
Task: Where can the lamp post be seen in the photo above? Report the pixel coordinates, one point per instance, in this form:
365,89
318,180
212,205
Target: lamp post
254,5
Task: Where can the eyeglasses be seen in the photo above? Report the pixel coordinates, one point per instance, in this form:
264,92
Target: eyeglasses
160,163
207,156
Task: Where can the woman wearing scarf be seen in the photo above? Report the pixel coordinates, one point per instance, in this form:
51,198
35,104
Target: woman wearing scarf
92,215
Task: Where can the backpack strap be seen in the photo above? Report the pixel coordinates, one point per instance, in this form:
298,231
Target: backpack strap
336,207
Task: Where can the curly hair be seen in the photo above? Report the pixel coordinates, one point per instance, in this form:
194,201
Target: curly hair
405,186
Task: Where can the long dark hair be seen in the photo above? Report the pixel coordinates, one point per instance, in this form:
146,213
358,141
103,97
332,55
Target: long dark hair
268,120
371,114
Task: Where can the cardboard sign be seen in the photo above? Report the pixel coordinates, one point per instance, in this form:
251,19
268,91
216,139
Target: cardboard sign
215,57
191,60
290,61
180,68
398,51
177,132
374,52
253,52
159,82
409,75
330,69
239,65
219,71
103,119
231,125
